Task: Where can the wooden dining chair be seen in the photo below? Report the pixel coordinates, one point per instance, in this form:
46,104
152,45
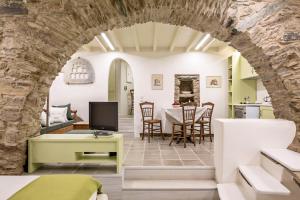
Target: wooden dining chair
188,122
205,121
149,123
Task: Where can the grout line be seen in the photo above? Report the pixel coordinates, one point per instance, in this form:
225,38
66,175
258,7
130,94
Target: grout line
160,154
178,156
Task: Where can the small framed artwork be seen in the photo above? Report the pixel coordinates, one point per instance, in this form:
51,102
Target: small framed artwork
157,81
213,81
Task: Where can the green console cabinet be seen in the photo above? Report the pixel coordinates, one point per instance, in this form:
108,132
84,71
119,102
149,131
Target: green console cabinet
74,148
266,112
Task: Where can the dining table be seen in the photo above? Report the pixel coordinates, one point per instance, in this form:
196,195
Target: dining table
172,115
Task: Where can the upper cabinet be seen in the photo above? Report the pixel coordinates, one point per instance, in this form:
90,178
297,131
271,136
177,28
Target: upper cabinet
247,71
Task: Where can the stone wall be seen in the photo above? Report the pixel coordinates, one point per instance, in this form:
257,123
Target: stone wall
38,37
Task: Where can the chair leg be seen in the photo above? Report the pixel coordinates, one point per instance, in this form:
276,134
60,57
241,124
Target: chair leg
203,133
172,136
143,134
184,136
193,134
162,135
149,132
210,135
152,130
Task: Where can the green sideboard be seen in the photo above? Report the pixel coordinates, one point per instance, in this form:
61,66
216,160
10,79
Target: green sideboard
71,148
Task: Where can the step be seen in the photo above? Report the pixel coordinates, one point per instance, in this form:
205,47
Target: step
169,185
169,190
230,191
286,157
170,195
261,181
169,173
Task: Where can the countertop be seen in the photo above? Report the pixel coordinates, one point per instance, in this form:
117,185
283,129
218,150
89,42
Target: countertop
254,104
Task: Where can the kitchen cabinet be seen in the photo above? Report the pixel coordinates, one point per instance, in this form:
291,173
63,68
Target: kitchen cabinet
247,71
266,112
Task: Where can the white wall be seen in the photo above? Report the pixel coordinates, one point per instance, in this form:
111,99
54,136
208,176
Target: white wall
143,66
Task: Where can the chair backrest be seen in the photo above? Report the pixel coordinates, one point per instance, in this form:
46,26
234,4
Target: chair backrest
208,113
188,112
147,109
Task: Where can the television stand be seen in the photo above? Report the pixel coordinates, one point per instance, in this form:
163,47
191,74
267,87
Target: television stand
72,148
81,125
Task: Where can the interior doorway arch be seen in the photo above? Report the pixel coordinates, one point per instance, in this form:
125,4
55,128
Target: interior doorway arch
34,47
121,86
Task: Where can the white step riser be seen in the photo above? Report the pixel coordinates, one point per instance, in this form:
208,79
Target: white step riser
245,188
230,191
169,173
281,174
273,168
170,195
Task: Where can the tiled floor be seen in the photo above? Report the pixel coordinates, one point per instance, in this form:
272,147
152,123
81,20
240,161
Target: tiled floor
159,153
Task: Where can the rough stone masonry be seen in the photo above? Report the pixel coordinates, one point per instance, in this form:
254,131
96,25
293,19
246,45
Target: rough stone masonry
37,37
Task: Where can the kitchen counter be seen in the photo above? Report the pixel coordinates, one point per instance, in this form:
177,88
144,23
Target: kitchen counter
254,104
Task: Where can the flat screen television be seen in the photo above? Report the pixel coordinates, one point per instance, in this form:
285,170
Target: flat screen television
103,116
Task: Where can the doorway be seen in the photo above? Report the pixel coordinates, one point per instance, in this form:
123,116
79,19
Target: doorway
121,87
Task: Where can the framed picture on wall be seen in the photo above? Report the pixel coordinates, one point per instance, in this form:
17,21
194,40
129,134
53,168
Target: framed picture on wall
213,81
157,81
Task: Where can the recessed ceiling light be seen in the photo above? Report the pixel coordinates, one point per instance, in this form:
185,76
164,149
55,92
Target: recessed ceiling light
202,41
107,41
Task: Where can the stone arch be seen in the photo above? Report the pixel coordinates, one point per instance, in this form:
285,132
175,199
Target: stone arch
38,37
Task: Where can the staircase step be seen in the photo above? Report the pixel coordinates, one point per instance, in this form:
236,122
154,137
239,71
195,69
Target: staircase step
169,185
262,181
230,191
169,173
285,157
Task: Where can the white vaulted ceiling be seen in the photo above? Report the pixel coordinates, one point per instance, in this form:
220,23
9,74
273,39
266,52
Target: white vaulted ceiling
155,37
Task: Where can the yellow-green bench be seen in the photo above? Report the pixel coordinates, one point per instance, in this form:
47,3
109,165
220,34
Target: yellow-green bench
71,148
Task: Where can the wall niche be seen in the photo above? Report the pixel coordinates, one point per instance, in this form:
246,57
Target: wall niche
187,88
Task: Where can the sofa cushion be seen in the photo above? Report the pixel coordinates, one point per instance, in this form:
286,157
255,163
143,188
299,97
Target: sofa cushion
58,115
69,114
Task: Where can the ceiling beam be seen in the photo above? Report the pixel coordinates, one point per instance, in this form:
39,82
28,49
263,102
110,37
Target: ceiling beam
100,44
135,37
154,36
174,39
115,40
208,44
194,40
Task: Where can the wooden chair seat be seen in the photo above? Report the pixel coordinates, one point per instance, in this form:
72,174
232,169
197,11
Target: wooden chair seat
203,122
181,124
152,121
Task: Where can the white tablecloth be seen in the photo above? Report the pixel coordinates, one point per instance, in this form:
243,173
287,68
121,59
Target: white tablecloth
171,115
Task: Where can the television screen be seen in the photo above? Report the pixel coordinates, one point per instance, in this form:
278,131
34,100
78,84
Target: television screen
103,116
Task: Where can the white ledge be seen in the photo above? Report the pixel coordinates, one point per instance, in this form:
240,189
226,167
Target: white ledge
261,181
287,158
